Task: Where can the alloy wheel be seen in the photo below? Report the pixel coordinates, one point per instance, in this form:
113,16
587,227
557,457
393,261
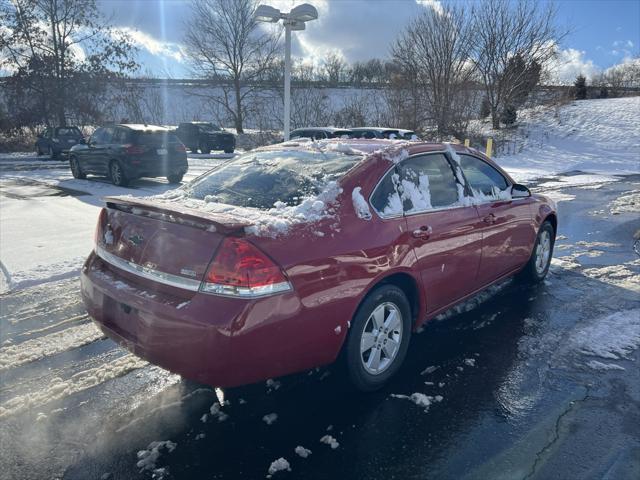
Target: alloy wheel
116,173
543,252
381,338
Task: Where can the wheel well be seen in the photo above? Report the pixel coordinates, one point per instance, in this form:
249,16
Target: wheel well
408,285
552,219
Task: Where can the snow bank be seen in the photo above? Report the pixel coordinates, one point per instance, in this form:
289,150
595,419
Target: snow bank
597,136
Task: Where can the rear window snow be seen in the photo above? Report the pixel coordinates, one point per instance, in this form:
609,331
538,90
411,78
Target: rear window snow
271,179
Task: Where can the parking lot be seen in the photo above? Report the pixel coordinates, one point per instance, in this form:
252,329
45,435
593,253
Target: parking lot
516,383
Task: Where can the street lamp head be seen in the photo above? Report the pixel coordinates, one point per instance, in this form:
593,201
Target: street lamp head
303,13
295,25
266,13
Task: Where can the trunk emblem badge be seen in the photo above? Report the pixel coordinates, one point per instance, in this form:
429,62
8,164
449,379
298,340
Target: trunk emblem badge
136,240
186,271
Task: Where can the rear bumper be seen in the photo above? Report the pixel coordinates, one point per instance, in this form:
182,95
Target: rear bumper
221,143
155,169
214,340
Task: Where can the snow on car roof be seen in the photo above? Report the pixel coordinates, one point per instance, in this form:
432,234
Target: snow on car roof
144,128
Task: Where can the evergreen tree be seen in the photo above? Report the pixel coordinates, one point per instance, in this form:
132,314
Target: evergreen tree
580,86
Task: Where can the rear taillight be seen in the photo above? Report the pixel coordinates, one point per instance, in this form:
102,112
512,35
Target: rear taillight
180,148
240,269
132,149
102,218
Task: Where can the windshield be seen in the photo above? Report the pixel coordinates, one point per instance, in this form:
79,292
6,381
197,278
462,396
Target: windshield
207,127
68,131
260,179
153,138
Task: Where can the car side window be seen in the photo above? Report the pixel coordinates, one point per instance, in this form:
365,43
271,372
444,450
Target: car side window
427,182
96,137
418,184
120,136
484,180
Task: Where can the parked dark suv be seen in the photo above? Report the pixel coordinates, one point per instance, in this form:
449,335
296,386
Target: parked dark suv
127,152
320,133
58,140
205,137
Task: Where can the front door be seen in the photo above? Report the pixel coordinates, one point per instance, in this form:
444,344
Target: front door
444,234
505,223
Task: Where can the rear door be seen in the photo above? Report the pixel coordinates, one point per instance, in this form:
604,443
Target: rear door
506,224
444,234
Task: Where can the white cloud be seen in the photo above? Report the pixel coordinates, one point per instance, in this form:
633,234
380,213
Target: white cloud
154,46
570,63
436,5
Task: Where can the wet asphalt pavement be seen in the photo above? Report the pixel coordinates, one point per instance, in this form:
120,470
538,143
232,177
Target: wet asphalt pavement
520,399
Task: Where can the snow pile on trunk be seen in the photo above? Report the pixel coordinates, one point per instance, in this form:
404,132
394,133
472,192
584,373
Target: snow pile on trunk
360,205
272,222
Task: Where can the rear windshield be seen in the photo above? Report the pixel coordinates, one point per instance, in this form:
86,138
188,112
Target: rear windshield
208,128
260,179
69,131
153,138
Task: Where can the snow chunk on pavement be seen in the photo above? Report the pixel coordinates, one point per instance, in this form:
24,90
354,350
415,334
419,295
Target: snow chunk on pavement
278,465
470,362
270,418
420,399
302,452
148,458
329,440
613,336
360,205
216,411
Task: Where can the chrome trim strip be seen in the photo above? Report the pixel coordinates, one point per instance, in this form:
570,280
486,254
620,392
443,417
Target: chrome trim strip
245,292
148,273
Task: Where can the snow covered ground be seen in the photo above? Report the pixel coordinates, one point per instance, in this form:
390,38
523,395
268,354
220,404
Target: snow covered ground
595,136
47,217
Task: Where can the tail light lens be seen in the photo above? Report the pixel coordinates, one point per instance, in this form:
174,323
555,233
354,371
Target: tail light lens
132,149
101,221
180,148
240,269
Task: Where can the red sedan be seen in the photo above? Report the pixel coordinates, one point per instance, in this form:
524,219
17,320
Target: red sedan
277,260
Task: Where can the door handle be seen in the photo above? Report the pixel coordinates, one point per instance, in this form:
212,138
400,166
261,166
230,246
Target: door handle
490,219
424,232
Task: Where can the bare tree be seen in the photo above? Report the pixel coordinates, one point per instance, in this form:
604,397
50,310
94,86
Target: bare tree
225,44
505,29
434,51
334,68
62,54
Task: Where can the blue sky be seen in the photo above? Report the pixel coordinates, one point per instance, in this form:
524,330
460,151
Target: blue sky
603,32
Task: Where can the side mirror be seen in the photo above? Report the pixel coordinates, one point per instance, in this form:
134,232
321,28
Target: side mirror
520,191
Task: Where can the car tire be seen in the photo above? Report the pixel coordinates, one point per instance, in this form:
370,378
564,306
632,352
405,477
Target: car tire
52,154
373,355
228,150
76,170
117,175
204,148
193,149
537,267
175,179
39,151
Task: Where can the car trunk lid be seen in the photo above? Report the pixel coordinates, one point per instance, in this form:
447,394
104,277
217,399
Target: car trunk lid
171,244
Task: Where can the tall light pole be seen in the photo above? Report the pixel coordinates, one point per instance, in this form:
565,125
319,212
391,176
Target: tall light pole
294,20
